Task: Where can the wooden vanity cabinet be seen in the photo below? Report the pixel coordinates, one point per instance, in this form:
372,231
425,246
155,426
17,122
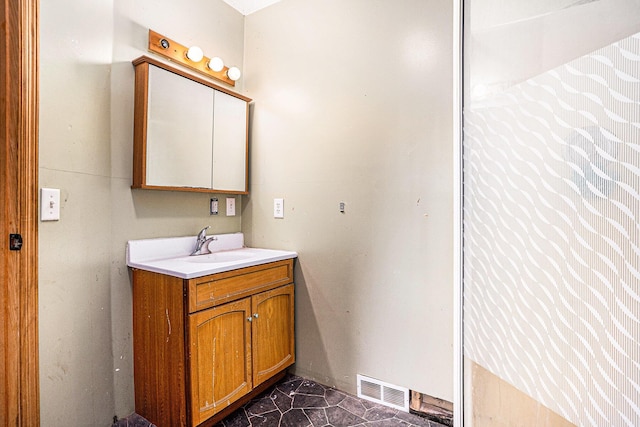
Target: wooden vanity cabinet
192,365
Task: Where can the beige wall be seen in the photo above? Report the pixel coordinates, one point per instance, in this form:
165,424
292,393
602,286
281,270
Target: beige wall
374,294
86,130
353,104
76,364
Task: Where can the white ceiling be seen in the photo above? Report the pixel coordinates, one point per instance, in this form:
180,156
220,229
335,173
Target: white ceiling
247,7
494,13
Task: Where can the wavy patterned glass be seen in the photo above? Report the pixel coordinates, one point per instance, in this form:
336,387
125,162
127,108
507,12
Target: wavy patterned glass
552,236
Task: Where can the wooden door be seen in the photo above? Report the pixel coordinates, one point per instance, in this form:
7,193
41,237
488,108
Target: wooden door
220,362
273,345
19,392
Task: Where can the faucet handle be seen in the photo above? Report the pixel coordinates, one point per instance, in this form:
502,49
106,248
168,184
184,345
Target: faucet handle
203,232
200,240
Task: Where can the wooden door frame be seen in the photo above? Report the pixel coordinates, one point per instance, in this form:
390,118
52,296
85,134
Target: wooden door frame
19,96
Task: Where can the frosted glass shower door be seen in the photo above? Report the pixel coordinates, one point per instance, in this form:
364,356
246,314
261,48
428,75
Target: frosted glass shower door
551,213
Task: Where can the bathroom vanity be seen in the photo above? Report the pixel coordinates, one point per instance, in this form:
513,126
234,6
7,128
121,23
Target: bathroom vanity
210,331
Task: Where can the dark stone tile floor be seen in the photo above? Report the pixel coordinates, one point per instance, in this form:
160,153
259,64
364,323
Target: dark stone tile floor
298,402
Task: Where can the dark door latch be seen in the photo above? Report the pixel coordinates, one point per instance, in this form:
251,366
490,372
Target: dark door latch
15,242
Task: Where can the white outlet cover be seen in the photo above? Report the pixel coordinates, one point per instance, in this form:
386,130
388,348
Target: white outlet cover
231,206
278,208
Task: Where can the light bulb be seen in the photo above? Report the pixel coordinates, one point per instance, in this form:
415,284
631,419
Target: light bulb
216,64
195,54
234,73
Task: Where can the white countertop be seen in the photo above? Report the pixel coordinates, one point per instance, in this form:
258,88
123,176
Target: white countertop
171,255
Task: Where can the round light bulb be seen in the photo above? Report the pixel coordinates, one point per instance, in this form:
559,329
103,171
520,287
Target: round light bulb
195,54
216,64
234,73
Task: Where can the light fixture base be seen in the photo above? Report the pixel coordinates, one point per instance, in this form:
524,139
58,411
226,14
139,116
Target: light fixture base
176,52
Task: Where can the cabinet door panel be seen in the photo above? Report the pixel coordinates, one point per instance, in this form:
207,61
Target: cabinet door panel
179,131
220,359
273,332
229,142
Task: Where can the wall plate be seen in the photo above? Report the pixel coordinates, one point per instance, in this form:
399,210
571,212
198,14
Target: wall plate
278,208
231,206
50,204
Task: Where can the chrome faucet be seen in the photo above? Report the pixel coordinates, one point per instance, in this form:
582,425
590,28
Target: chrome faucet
202,242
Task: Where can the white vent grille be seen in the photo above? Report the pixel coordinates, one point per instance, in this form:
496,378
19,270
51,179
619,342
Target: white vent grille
383,393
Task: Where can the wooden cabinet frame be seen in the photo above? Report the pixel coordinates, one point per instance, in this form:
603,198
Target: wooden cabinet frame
171,331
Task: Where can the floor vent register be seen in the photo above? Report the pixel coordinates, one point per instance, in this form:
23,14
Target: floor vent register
383,393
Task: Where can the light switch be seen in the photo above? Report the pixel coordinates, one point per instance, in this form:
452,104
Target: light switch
278,208
49,204
231,206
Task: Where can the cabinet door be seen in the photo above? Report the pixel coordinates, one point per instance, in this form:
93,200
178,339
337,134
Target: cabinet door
273,332
229,142
179,131
220,361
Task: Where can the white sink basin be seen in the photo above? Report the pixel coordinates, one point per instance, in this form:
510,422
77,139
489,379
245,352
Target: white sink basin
171,256
225,256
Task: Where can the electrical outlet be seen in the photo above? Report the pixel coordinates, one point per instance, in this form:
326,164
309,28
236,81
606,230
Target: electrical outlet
231,206
278,208
213,206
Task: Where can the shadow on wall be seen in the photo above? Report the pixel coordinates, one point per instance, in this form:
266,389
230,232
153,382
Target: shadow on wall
311,351
148,204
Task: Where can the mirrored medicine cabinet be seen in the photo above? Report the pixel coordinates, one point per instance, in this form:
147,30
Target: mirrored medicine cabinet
189,134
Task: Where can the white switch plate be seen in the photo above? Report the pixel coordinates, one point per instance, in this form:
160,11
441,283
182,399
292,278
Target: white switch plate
231,206
49,204
278,208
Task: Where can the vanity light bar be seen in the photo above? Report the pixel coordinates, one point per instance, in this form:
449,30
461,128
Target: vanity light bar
176,52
